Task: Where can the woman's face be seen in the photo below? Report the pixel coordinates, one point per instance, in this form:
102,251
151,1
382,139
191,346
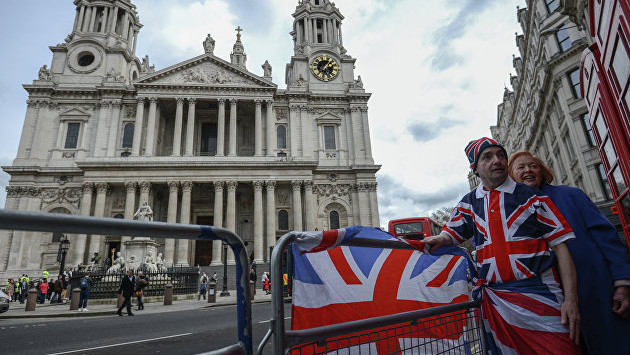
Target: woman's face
526,170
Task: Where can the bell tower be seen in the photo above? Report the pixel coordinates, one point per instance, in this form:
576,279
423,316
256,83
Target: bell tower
101,47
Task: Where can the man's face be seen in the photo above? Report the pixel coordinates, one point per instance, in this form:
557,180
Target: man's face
492,167
130,272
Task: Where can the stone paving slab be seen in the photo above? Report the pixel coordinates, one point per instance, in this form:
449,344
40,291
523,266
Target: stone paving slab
47,310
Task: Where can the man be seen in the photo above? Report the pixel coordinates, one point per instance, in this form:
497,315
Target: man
513,231
85,285
142,282
57,288
126,289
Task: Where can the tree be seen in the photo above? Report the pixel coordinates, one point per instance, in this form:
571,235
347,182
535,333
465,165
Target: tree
442,215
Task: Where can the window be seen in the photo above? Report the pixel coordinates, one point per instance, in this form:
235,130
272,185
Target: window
586,124
574,78
283,220
127,140
208,139
552,5
604,181
562,35
620,64
334,220
281,134
568,146
72,135
329,137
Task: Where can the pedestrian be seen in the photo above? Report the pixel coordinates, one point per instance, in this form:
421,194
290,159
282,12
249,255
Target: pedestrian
23,288
126,290
85,285
10,289
253,277
202,289
266,283
57,288
51,285
601,261
42,291
513,231
214,278
203,277
142,281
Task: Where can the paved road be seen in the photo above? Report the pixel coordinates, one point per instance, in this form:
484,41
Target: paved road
181,332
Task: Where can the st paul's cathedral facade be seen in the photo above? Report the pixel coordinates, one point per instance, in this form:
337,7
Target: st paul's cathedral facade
204,141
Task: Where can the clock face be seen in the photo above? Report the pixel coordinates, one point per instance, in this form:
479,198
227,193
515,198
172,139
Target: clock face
325,68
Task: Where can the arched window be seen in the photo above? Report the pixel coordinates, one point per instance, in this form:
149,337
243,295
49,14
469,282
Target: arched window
283,220
127,141
334,220
281,133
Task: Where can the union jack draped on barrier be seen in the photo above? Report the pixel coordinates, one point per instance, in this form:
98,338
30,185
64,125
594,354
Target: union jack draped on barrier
334,283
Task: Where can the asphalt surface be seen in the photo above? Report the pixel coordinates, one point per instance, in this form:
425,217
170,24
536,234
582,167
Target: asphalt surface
188,328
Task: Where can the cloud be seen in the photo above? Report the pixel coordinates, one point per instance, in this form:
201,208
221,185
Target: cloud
444,36
426,131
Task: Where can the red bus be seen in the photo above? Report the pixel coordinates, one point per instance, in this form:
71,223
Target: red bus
415,228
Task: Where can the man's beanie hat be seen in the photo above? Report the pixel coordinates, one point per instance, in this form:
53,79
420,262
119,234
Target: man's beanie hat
475,147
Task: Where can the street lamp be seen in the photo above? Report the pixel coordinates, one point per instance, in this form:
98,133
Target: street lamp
64,247
225,288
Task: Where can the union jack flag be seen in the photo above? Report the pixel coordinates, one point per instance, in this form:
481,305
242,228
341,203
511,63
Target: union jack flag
336,284
513,230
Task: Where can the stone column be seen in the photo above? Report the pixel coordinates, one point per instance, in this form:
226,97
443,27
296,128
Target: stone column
366,134
184,218
137,128
218,221
364,204
169,244
148,148
28,132
271,215
314,23
325,30
114,20
100,147
113,128
135,41
86,208
19,237
357,128
99,211
309,206
221,130
258,134
297,205
232,151
307,133
293,129
270,121
355,205
125,28
7,236
177,130
307,30
79,26
104,20
92,19
130,208
372,187
190,127
230,222
87,18
334,31
259,241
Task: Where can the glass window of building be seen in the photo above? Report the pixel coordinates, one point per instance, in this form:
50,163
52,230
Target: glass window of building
283,220
586,124
127,140
329,137
562,35
281,134
334,220
72,135
604,182
552,5
574,78
620,64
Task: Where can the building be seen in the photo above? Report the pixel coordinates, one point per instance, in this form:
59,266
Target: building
204,141
545,112
605,80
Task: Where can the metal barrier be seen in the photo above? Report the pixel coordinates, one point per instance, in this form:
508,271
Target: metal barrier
438,330
51,222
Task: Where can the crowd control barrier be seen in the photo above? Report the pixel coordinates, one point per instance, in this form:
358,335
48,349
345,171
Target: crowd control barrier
411,327
63,223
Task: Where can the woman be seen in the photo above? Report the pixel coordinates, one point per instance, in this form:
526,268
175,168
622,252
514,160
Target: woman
602,262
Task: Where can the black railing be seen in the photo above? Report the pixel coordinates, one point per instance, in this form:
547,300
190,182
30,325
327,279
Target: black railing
185,280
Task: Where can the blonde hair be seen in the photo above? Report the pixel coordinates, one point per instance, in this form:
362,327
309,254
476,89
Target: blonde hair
547,174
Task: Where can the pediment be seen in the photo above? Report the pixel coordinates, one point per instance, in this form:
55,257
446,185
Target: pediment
74,112
205,70
328,117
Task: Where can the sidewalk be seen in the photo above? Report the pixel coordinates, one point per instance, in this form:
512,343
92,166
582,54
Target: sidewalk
16,310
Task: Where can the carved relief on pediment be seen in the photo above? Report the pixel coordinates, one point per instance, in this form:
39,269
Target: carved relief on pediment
206,73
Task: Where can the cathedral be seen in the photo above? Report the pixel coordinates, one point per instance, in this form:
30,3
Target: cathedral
204,141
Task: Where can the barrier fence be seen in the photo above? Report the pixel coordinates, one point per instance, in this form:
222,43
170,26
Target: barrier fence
62,223
450,329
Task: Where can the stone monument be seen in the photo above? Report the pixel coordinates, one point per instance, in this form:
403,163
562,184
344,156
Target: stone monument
144,247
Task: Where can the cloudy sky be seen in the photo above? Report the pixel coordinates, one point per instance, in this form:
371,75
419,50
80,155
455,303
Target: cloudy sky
436,70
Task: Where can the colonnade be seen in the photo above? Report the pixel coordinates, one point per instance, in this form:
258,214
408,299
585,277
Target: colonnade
187,133
307,30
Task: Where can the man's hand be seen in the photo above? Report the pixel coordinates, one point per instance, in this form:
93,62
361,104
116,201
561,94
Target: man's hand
436,241
570,314
621,301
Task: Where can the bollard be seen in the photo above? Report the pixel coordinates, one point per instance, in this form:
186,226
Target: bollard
168,294
31,300
74,299
120,300
212,292
251,289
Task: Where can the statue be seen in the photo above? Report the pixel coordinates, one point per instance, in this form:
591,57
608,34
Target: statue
208,44
144,213
119,265
358,83
160,263
149,263
44,73
266,69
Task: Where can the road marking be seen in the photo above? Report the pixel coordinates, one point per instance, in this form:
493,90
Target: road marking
127,343
269,320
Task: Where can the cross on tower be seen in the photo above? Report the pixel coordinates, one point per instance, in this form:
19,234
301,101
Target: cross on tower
238,33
